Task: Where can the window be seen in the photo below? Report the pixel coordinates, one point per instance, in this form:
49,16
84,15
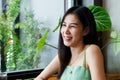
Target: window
35,18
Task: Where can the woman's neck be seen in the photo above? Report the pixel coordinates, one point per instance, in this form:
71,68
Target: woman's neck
77,50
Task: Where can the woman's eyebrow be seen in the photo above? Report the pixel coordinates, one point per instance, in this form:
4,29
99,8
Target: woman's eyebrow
75,23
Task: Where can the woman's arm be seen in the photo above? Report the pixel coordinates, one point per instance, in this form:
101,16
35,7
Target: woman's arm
52,68
95,62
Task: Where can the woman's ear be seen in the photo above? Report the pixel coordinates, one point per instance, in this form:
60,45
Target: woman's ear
86,31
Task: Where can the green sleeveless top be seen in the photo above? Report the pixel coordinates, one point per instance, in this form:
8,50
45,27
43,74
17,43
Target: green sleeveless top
76,72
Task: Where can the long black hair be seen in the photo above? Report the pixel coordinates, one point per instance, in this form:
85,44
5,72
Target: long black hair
87,19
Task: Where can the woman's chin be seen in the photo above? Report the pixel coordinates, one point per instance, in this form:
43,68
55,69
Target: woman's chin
66,44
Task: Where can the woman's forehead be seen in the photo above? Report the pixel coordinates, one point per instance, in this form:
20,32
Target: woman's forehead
71,17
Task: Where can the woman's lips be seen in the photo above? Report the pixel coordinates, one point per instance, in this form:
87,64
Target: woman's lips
67,38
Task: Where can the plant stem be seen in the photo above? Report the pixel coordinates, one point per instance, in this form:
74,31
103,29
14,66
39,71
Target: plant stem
105,45
109,43
51,46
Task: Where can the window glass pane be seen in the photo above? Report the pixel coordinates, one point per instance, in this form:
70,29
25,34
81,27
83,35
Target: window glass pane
37,17
47,13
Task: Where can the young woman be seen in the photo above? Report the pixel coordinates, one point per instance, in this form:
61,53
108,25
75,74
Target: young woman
79,57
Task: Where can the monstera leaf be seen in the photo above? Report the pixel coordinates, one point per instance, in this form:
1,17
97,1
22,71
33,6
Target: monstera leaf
102,18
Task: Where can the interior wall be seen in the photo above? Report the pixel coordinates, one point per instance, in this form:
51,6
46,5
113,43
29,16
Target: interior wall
113,7
112,61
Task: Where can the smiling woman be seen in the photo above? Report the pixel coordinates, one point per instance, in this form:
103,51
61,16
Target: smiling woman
78,52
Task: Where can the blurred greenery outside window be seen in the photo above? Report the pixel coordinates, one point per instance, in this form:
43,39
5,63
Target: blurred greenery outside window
22,41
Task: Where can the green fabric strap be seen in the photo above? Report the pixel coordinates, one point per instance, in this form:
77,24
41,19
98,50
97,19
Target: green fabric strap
84,61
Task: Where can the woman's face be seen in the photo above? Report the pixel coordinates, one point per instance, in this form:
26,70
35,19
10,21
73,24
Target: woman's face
72,31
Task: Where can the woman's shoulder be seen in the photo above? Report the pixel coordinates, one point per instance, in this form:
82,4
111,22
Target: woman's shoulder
92,48
93,51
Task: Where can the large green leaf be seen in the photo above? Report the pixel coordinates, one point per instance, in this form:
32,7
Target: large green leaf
42,41
59,22
40,45
102,18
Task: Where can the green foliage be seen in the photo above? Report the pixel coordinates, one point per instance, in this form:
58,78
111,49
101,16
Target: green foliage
42,42
115,36
21,53
102,18
32,31
59,22
103,23
13,10
7,34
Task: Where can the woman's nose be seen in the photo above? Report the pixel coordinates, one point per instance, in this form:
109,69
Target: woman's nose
67,30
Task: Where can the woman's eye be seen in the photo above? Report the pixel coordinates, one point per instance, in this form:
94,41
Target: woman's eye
73,26
63,25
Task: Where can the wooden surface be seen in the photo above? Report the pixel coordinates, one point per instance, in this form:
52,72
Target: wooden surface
111,76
